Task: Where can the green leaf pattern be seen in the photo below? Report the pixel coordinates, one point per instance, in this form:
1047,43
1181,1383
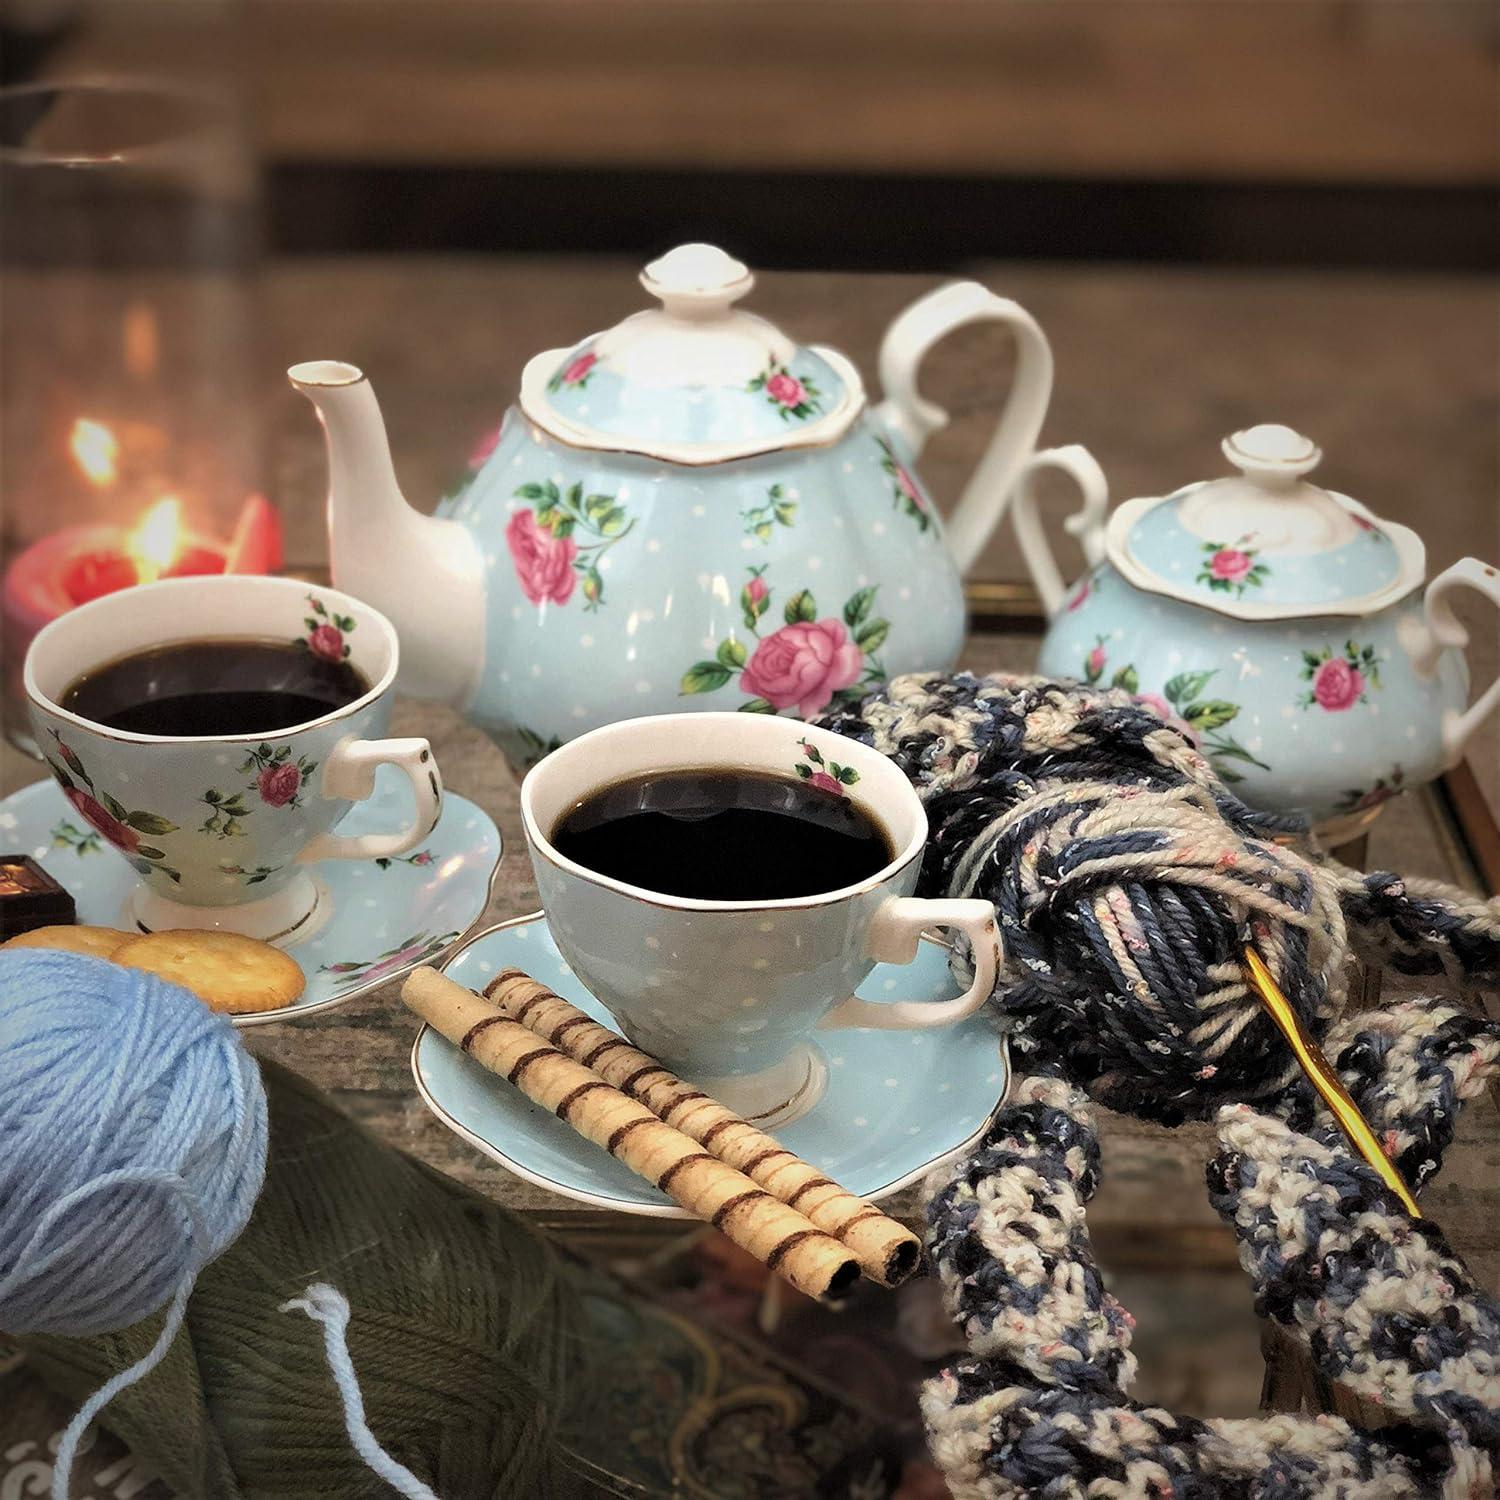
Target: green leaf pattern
420,947
111,821
1340,678
791,395
66,835
572,513
908,497
827,775
1206,717
1232,567
775,510
866,630
1358,799
276,780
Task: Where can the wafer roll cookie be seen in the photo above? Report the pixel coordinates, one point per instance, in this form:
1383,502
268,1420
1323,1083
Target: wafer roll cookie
814,1263
887,1251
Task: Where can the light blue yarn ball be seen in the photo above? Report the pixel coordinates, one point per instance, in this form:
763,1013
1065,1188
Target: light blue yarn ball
132,1142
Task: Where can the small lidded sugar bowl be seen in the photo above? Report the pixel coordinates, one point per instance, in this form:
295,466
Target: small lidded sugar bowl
1284,623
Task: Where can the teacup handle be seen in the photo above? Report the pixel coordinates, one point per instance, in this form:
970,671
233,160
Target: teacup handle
894,934
349,774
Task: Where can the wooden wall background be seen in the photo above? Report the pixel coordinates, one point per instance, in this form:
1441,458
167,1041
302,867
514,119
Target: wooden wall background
1333,91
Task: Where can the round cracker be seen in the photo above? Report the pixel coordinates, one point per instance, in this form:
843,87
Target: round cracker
228,972
97,942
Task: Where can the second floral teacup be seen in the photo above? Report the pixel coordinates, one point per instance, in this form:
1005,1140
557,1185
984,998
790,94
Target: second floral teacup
730,993
222,827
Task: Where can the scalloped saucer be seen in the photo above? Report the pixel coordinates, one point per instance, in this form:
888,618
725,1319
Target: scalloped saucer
385,916
898,1104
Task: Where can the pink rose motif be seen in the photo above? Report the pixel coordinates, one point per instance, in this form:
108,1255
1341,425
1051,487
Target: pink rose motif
425,857
544,563
1076,602
803,665
826,783
279,784
756,589
1337,685
908,487
485,446
579,368
327,641
394,961
1230,564
1095,662
786,389
111,827
1164,711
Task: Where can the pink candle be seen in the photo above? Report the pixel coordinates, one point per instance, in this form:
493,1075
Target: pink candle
78,563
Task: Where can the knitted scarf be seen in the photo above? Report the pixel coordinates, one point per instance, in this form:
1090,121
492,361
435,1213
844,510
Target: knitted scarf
1129,880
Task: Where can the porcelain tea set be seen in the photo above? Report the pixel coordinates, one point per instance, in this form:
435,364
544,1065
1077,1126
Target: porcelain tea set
690,512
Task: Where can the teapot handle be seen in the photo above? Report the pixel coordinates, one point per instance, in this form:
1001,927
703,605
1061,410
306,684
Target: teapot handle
913,419
1445,630
1087,523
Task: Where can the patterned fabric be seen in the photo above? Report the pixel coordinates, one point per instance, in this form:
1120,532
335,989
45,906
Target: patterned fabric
1128,882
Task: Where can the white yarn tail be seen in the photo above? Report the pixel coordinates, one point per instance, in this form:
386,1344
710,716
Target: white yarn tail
67,1448
325,1305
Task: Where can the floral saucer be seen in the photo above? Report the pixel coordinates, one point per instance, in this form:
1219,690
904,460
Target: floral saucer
898,1102
386,915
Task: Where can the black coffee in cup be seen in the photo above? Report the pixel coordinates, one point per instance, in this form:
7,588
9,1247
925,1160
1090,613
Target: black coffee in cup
723,835
227,686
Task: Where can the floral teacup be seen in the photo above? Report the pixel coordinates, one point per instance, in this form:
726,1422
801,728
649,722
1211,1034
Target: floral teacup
221,829
728,993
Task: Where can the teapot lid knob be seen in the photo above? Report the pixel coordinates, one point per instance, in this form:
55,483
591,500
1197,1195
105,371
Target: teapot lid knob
697,281
1272,455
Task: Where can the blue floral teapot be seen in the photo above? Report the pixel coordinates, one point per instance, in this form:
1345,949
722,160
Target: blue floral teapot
685,511
1284,623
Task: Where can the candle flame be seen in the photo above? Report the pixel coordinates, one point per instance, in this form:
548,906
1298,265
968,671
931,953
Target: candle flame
95,450
155,543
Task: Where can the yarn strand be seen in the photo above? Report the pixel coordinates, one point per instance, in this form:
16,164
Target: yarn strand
67,1448
326,1305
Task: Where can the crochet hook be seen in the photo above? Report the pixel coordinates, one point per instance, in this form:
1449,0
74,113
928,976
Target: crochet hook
1323,1078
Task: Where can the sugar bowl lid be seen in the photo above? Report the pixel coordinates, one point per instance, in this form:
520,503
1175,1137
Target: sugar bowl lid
1266,544
695,380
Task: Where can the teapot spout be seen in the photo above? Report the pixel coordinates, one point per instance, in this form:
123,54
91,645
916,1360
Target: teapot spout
423,572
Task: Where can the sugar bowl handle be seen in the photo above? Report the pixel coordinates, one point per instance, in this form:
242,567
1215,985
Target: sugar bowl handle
894,933
1087,523
1445,631
911,418
349,774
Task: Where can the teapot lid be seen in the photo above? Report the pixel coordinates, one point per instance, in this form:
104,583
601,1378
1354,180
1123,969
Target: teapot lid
695,380
1266,544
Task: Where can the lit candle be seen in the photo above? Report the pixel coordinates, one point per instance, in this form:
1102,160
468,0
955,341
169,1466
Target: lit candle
75,564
